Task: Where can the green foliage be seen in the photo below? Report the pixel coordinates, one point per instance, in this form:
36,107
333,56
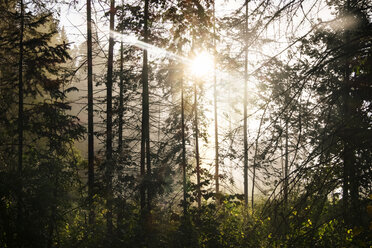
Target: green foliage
35,200
328,137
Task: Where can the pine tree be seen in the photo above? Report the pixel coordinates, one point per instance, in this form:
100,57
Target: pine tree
47,158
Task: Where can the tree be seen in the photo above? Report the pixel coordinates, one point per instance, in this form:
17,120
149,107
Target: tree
245,125
321,154
109,161
215,104
47,157
90,116
344,85
20,112
145,130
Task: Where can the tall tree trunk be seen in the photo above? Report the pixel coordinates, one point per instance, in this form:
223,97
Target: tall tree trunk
215,106
90,117
286,164
245,125
282,159
120,212
121,99
197,148
20,126
109,162
145,139
183,149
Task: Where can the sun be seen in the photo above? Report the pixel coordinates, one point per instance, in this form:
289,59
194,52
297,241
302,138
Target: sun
202,64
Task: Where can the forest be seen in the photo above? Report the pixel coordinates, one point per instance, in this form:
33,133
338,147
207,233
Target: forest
185,123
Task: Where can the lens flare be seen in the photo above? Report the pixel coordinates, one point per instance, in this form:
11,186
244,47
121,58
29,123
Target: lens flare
153,50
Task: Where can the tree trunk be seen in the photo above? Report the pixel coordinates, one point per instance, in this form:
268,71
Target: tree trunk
197,148
109,162
215,107
20,126
90,117
145,139
120,211
245,125
183,150
121,99
286,163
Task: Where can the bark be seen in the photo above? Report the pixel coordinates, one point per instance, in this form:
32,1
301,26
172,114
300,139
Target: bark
215,106
20,121
286,163
145,139
197,148
109,162
120,213
90,117
121,99
183,151
245,125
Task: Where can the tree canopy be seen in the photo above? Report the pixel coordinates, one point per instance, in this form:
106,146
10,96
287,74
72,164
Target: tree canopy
188,123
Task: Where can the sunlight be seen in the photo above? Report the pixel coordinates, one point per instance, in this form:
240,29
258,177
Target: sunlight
153,50
202,64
